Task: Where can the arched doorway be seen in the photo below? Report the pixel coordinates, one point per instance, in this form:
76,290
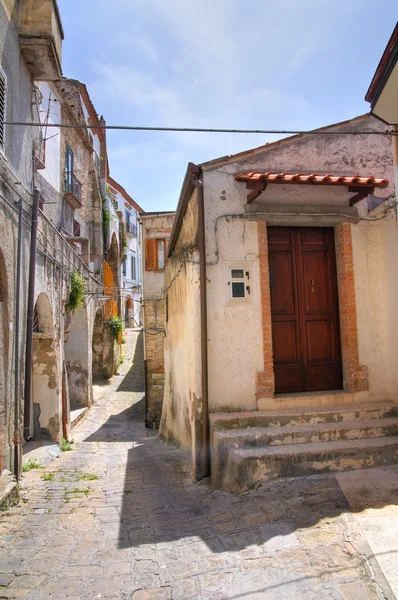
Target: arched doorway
77,354
46,413
4,357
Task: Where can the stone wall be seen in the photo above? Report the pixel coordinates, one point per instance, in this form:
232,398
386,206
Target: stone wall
154,352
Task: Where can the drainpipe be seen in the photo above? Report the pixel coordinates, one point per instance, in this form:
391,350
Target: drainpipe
30,317
203,325
16,341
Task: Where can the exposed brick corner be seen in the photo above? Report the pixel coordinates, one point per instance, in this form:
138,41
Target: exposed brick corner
265,381
355,377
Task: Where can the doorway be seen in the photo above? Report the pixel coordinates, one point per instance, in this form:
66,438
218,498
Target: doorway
304,309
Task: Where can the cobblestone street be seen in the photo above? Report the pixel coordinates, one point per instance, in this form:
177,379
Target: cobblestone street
119,517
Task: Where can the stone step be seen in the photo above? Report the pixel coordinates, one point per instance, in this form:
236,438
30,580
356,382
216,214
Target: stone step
256,437
297,416
248,468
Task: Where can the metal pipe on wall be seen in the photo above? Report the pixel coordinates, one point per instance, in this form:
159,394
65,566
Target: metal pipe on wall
16,341
203,324
30,316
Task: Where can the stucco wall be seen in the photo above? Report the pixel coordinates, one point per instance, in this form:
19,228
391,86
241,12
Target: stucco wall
235,334
182,402
375,251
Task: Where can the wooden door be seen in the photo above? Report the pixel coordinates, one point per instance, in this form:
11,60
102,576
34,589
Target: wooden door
304,309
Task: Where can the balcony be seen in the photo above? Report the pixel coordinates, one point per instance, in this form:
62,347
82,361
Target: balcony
131,229
73,190
40,38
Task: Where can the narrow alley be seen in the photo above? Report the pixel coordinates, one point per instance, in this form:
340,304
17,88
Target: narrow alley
118,516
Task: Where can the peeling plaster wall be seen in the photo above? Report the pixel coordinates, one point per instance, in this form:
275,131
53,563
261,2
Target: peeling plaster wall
47,407
182,401
235,333
78,357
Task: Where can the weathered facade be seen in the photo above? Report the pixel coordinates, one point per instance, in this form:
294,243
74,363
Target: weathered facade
130,243
54,281
299,301
156,229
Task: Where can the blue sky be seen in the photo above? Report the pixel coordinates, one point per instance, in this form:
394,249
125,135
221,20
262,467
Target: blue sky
277,64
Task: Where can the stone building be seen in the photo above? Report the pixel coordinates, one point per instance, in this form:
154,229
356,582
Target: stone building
55,239
130,240
156,229
281,291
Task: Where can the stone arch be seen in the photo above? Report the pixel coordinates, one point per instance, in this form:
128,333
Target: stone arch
4,359
129,312
77,353
46,411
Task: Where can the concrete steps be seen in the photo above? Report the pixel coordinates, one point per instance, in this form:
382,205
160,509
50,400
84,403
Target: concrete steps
253,447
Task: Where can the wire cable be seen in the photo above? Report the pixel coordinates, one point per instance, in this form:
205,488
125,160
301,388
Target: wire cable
198,129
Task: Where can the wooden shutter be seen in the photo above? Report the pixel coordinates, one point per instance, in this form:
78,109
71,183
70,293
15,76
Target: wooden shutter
151,261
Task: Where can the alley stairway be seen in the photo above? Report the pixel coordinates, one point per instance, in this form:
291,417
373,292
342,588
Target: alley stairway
249,448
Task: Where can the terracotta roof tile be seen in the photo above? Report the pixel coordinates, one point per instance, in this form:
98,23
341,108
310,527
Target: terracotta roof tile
312,179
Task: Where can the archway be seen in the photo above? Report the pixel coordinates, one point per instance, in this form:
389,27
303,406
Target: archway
4,357
46,413
77,354
129,312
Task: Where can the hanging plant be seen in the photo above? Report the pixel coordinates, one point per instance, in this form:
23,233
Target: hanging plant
77,291
117,327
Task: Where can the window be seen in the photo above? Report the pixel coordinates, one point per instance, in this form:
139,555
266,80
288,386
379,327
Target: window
237,277
3,115
133,271
68,169
125,267
155,254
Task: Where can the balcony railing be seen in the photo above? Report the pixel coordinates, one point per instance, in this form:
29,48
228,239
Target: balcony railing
73,190
131,228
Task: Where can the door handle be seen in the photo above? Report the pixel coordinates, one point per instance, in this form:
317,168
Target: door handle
312,285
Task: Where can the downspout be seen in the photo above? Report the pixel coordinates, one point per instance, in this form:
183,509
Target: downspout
16,341
203,325
30,317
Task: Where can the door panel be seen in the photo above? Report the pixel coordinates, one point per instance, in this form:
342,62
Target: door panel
304,309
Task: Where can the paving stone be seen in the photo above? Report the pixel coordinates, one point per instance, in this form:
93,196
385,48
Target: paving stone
5,579
162,593
146,530
357,590
13,592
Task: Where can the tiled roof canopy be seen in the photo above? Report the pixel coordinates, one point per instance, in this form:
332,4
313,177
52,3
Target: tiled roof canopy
314,178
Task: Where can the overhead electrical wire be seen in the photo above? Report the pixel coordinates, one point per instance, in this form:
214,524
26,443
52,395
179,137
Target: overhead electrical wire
197,129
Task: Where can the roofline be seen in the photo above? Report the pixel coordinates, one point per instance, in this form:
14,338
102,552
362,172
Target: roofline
121,189
384,68
185,194
91,109
143,215
270,145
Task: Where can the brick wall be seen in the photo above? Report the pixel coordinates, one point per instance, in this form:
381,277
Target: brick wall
355,377
265,383
154,353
